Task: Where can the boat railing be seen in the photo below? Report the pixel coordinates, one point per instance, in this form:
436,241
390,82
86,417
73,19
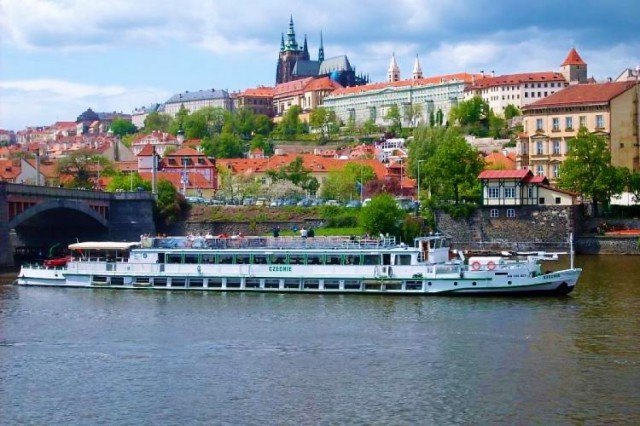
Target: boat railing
238,242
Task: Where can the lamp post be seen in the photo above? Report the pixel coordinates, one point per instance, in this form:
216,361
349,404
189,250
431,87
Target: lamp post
361,183
98,183
419,161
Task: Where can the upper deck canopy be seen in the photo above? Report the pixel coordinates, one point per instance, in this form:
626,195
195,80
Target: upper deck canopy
103,245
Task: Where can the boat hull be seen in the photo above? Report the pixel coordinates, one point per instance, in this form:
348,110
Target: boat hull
556,283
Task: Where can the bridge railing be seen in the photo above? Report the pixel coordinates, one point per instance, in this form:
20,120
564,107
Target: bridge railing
51,191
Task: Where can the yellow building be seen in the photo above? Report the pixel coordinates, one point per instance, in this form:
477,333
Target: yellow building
606,109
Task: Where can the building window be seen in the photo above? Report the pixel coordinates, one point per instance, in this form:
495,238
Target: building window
556,170
539,170
538,124
556,124
539,148
494,192
599,121
530,192
568,123
583,121
494,213
511,212
509,192
541,200
556,146
558,200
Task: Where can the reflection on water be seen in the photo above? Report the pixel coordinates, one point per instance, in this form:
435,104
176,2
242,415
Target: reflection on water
120,357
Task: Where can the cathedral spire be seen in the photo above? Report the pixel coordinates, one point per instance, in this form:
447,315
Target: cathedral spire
292,44
282,43
305,50
393,73
417,69
321,50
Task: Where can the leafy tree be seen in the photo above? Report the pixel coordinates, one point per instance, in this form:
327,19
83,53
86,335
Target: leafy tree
432,119
157,121
439,117
171,206
260,142
346,183
393,115
382,215
633,185
127,182
412,112
82,166
290,125
263,125
369,127
121,127
294,172
587,169
180,121
511,111
324,120
225,145
453,169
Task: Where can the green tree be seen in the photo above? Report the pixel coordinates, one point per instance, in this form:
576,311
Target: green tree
511,111
263,125
587,169
346,183
633,185
171,206
432,119
294,172
472,115
453,169
439,117
225,145
82,167
121,127
290,125
260,142
157,121
369,127
393,115
127,182
412,112
382,215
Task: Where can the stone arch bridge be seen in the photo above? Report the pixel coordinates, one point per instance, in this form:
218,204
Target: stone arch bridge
36,217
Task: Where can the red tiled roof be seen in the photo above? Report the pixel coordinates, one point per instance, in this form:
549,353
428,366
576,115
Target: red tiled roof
600,93
513,79
498,159
467,78
258,92
505,174
291,87
324,83
573,58
147,151
184,152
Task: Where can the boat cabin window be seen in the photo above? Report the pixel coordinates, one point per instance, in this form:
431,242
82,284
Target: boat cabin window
243,258
371,259
314,259
191,258
352,259
208,258
278,259
225,259
386,259
259,259
333,259
403,259
174,258
296,259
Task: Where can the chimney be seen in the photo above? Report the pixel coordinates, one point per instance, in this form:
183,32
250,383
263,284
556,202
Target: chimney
493,73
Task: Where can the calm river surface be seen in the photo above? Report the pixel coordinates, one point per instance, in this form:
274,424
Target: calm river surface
104,357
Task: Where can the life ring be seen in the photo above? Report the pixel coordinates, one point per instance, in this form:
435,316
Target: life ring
475,265
491,265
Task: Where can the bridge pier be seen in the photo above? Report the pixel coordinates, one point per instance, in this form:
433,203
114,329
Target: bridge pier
6,249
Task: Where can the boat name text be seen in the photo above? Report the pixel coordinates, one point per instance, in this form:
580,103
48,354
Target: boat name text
279,268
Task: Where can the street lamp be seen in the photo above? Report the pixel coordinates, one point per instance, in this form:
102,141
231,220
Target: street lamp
361,183
419,161
98,174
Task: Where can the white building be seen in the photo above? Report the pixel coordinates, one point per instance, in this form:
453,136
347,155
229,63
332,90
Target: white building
522,89
193,101
372,101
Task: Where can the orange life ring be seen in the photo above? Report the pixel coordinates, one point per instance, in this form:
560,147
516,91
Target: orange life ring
491,265
475,265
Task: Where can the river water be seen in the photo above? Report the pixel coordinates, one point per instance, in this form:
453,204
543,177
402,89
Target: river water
98,357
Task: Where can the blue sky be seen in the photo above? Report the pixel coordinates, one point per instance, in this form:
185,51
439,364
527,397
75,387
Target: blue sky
60,57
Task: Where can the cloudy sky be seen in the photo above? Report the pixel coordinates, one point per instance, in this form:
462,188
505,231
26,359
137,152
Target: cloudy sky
60,57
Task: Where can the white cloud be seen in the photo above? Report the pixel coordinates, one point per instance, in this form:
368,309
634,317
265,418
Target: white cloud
44,101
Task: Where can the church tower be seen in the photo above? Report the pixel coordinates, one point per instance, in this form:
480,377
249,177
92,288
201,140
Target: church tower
574,69
417,70
290,52
321,50
393,73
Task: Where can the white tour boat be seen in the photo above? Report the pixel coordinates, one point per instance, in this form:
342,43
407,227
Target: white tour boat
306,265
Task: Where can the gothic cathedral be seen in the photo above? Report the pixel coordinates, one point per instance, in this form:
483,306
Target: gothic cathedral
294,63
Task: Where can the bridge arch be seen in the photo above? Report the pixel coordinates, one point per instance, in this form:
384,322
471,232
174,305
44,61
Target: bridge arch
57,204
